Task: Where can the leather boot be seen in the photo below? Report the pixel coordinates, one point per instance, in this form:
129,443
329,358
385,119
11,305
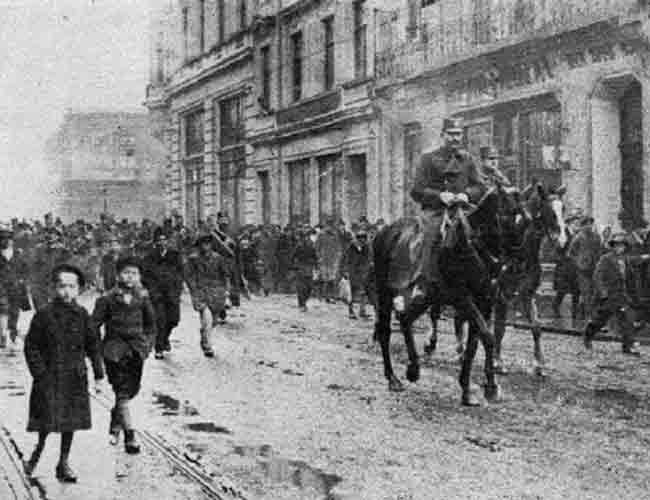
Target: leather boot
31,464
65,474
131,445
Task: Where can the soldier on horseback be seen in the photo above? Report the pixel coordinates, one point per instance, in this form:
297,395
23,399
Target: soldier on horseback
445,176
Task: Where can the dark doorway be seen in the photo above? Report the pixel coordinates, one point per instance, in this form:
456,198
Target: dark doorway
631,147
265,192
356,187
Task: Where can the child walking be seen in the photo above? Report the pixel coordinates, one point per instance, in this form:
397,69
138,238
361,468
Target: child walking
130,331
59,338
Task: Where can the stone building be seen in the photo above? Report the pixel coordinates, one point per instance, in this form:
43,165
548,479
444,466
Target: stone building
106,162
561,87
283,111
265,108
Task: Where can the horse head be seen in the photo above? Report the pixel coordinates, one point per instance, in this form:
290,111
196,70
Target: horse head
545,209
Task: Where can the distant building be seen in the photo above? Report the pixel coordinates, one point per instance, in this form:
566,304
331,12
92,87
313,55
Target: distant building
107,161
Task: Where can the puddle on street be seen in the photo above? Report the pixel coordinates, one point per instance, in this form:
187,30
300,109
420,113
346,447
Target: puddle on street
196,447
172,406
16,394
208,427
296,472
618,396
10,387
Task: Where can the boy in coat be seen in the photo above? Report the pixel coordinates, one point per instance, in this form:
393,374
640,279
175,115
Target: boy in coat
304,262
612,295
356,267
59,338
128,318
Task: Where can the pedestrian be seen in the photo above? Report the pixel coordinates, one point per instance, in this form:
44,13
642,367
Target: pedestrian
585,250
59,338
304,263
163,279
565,278
356,268
48,256
128,318
329,250
107,269
612,296
208,278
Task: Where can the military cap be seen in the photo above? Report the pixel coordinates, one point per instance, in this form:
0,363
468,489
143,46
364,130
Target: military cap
618,239
452,124
222,214
68,268
488,152
125,262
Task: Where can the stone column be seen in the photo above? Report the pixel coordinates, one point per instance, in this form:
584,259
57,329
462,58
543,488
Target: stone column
314,201
645,123
576,141
209,198
176,177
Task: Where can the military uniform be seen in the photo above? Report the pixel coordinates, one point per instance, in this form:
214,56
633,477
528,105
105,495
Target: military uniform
445,169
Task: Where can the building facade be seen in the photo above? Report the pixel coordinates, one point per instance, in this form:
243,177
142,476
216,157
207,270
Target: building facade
561,88
265,107
106,162
294,111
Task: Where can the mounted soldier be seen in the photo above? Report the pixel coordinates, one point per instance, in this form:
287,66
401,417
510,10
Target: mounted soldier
445,176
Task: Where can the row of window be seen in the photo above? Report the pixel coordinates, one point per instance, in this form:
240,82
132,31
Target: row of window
231,18
299,58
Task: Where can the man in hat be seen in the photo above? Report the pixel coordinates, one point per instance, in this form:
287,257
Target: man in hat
163,278
329,248
612,298
490,167
585,250
356,267
304,263
208,277
445,176
565,279
48,255
13,286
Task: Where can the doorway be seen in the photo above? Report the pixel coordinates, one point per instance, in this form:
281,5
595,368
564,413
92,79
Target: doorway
631,147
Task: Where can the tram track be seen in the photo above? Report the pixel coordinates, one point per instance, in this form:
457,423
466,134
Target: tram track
213,489
11,470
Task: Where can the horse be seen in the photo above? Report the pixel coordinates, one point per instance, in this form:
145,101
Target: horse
466,268
524,226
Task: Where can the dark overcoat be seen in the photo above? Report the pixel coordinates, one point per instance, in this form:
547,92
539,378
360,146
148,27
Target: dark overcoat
163,275
356,263
208,278
59,338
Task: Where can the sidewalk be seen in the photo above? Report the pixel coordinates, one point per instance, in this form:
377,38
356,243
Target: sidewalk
105,472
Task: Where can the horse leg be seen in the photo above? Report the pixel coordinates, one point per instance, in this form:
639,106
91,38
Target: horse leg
459,323
413,312
500,314
491,388
432,344
533,318
468,398
382,334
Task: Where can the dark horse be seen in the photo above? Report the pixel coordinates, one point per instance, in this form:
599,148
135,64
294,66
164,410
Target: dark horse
524,226
467,285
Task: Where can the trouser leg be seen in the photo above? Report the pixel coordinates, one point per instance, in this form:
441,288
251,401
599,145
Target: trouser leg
14,314
207,321
66,446
4,322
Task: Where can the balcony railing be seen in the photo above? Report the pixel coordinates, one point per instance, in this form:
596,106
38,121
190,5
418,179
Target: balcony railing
439,42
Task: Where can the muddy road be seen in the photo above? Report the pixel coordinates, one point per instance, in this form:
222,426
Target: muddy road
295,406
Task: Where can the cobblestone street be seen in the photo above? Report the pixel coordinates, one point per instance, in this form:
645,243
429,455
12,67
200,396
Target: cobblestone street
295,406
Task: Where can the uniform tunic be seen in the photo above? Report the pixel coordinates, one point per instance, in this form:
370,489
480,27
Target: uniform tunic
207,277
59,338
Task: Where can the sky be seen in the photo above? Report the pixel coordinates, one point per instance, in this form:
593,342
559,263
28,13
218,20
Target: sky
58,54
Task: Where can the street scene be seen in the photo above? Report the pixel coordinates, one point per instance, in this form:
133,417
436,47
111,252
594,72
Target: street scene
324,249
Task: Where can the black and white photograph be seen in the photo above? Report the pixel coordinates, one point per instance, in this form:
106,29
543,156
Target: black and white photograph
324,249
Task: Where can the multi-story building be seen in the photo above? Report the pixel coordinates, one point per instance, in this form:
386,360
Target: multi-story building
561,87
265,107
106,162
293,110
